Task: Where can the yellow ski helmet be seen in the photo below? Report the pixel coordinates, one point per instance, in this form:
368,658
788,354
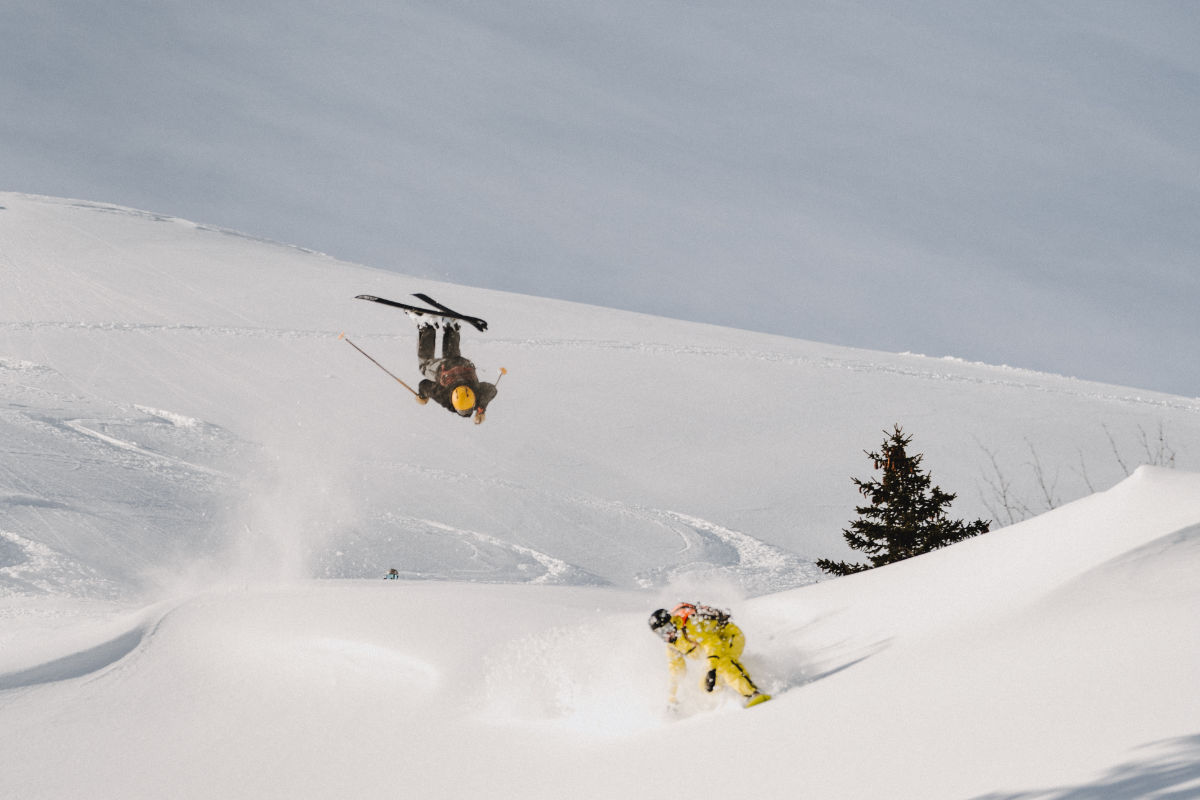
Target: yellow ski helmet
463,399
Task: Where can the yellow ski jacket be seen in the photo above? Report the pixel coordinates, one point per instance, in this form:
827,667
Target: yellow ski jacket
719,645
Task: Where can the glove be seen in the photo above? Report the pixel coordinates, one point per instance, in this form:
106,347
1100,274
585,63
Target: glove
479,416
710,680
422,400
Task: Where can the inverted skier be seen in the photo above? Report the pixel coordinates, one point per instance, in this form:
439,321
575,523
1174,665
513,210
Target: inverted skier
450,380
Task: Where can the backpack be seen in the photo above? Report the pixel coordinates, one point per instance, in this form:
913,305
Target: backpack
700,612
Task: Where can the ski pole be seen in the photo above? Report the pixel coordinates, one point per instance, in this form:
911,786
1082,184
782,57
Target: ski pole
503,372
376,363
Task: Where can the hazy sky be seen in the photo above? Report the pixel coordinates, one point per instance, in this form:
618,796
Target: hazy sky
1016,183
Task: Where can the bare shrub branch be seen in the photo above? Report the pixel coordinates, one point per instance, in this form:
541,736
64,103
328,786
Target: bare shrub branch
1039,474
999,501
1116,450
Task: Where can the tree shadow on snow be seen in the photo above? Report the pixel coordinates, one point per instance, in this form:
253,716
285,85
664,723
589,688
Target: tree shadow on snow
1173,773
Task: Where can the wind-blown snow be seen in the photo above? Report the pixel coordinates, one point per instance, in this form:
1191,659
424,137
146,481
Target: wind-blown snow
201,487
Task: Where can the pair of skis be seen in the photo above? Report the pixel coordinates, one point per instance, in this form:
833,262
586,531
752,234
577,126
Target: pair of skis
438,309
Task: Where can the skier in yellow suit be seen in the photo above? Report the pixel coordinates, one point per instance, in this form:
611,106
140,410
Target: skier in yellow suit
701,632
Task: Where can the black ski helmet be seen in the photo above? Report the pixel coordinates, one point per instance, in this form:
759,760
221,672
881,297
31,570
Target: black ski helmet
660,623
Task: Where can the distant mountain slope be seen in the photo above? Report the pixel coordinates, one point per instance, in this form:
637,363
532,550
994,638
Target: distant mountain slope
196,376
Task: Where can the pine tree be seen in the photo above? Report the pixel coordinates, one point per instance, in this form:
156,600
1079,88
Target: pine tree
907,514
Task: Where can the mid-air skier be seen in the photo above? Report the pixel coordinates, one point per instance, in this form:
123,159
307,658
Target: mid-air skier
450,381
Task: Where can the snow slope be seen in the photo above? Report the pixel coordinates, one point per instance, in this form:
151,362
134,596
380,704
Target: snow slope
187,445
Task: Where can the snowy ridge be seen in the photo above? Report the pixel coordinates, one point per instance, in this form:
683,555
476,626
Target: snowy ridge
924,368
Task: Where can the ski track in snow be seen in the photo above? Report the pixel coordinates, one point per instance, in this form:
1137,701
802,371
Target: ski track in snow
710,548
79,426
758,567
555,570
134,460
146,327
753,554
488,558
32,568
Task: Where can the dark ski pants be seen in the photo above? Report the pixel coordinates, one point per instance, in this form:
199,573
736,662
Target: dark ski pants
427,341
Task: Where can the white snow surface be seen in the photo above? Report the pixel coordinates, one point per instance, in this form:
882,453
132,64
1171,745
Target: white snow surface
201,487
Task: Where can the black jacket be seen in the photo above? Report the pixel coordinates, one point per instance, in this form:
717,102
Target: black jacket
452,373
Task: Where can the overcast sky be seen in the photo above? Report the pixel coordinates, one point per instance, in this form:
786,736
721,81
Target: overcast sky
1015,183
